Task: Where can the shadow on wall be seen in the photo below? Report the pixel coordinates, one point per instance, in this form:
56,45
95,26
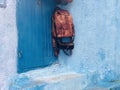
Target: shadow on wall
3,3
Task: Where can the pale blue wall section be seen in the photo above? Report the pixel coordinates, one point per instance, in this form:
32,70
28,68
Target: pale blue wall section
34,34
97,38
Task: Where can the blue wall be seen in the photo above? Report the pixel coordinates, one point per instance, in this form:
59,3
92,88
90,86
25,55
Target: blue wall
97,39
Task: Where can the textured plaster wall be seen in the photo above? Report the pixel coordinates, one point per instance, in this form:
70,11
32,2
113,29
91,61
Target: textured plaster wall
8,43
97,41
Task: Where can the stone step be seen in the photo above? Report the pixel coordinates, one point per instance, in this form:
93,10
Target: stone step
49,79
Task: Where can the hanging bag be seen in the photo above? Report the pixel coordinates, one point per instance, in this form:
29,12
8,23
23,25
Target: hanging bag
62,31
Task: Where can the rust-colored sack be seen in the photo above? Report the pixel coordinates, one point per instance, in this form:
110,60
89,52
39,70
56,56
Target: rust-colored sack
62,30
64,23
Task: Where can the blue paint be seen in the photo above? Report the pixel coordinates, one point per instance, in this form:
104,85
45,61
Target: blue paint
101,54
21,82
97,43
110,76
34,34
56,78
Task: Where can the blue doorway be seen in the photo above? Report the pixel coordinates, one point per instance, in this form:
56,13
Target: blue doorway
34,34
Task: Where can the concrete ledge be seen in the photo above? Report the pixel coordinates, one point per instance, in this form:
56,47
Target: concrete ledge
49,79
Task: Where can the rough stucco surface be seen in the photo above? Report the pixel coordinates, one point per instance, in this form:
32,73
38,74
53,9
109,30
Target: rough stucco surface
97,41
8,43
50,78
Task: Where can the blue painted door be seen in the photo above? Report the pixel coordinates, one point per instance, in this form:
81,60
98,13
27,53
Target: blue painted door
34,33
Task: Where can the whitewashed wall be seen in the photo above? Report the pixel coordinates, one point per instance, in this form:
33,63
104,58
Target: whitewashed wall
8,43
97,41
